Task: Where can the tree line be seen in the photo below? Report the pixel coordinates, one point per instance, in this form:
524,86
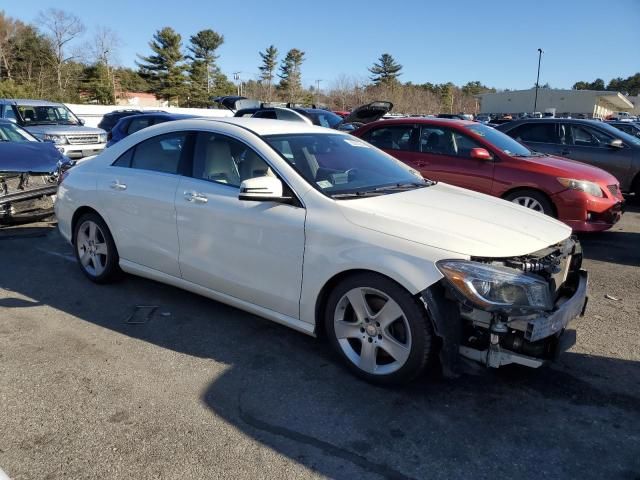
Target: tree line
628,86
55,60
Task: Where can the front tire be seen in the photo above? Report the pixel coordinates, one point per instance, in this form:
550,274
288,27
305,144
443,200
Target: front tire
95,249
379,330
533,200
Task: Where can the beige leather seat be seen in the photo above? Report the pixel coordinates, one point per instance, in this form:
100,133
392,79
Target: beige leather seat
253,166
219,164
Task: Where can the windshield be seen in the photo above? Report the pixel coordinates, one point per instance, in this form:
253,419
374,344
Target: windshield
12,133
501,141
325,119
47,115
341,165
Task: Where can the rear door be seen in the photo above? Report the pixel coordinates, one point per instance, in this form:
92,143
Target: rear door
539,136
399,141
137,194
445,155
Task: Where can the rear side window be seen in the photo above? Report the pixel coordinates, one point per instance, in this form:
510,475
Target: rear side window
266,114
138,124
9,113
158,154
535,132
397,137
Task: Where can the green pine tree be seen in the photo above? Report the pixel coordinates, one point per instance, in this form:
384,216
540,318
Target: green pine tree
165,69
386,70
290,76
268,67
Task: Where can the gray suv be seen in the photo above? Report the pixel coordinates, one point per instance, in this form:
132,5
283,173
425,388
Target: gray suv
54,122
587,141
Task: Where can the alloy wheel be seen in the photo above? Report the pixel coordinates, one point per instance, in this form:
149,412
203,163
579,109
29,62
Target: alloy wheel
529,202
372,331
92,248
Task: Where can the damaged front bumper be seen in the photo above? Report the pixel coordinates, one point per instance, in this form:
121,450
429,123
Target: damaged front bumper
544,337
502,335
25,195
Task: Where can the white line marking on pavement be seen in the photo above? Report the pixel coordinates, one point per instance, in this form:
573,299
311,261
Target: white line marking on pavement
70,258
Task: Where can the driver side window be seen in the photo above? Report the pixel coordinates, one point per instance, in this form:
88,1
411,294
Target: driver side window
222,159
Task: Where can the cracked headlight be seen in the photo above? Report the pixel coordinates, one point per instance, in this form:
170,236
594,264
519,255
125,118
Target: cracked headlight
583,185
57,139
496,288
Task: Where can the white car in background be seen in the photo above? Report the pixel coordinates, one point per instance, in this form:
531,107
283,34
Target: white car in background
318,230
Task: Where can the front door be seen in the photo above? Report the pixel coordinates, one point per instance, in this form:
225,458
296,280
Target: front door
249,250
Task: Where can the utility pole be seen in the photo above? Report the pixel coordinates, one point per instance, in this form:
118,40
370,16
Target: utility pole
236,77
535,102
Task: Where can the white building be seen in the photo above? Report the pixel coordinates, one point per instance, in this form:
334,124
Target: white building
592,103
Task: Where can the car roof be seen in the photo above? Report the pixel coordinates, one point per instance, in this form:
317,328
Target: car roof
260,126
29,102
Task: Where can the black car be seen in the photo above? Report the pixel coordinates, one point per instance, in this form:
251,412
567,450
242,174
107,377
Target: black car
588,141
111,118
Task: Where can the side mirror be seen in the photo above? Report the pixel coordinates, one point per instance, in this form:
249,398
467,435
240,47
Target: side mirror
81,121
616,143
480,154
262,189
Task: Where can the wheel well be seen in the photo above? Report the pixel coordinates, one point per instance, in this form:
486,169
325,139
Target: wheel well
532,189
321,301
76,216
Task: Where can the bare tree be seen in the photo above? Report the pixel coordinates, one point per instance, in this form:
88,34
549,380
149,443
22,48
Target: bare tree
63,27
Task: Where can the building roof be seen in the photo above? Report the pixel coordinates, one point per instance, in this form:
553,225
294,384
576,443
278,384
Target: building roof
617,99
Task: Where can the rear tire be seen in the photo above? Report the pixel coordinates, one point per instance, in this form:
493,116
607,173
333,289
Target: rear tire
533,200
95,249
380,331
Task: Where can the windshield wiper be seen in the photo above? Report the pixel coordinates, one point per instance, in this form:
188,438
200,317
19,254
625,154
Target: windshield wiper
406,186
343,196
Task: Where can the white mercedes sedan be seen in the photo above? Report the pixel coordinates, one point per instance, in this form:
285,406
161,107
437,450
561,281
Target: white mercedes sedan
322,232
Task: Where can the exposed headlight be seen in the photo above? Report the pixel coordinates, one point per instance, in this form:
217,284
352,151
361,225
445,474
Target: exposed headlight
102,138
57,139
583,185
496,288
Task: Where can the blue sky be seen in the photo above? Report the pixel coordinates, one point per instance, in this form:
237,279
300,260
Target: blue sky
495,42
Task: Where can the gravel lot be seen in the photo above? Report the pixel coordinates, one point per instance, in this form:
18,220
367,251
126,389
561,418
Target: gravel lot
199,390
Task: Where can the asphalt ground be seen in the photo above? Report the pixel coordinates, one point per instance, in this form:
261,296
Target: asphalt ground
194,389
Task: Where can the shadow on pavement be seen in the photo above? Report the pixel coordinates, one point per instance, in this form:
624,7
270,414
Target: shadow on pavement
288,392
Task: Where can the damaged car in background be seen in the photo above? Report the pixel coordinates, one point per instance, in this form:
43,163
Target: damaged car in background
29,174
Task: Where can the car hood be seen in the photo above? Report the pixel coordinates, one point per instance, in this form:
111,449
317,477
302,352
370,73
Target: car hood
34,157
457,220
369,112
40,130
563,167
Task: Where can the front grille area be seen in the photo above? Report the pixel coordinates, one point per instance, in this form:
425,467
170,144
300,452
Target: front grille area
614,190
83,139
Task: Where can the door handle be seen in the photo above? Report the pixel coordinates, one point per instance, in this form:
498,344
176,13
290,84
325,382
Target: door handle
195,197
116,185
564,152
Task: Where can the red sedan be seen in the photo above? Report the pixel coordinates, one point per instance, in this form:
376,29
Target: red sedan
480,158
